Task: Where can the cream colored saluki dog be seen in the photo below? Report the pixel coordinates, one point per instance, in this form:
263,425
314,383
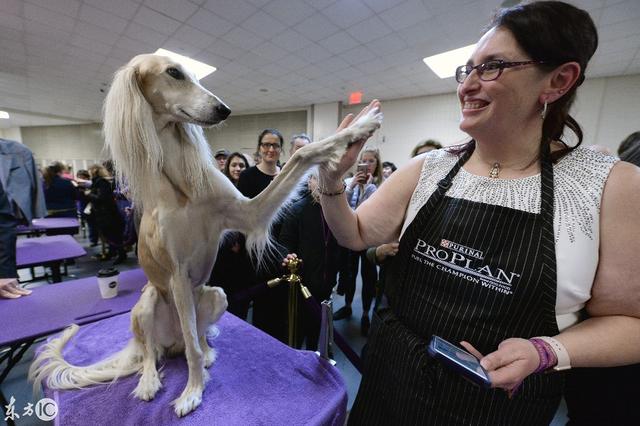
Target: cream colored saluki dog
153,118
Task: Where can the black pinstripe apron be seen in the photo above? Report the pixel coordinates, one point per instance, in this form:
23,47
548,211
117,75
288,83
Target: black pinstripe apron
465,271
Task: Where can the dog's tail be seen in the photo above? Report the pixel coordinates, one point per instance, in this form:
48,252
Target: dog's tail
59,374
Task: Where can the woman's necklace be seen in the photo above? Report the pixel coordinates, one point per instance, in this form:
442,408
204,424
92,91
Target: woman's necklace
494,171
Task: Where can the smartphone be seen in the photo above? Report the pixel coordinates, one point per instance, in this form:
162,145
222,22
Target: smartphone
363,167
459,360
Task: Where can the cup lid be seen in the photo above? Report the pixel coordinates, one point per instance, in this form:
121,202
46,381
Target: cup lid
108,272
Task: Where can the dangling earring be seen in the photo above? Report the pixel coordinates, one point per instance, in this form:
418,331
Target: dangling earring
543,114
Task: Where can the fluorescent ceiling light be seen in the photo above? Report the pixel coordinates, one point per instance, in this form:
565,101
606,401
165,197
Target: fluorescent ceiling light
444,64
200,69
4,114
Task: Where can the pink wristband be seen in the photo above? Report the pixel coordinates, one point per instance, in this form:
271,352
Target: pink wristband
548,357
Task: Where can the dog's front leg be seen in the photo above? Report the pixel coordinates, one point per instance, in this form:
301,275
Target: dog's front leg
143,322
191,396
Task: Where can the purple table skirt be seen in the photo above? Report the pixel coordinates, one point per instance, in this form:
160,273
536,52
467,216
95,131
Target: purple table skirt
41,250
51,308
255,380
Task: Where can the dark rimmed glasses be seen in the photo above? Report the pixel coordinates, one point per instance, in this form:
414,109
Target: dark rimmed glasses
489,70
267,146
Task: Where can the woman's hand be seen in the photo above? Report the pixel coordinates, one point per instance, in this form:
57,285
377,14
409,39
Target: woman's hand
507,367
385,250
351,155
9,289
289,258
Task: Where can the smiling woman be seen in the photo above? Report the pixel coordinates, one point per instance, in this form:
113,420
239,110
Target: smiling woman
554,248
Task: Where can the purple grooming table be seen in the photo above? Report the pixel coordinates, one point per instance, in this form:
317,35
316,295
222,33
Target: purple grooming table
255,380
52,308
51,226
47,251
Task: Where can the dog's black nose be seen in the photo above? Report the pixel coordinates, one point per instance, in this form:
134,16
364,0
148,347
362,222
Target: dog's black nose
222,111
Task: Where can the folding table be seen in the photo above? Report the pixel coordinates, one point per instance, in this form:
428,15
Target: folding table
47,251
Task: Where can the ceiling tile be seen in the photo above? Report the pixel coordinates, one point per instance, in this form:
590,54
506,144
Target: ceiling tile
347,13
226,50
99,34
156,21
270,51
194,37
405,15
291,40
122,8
369,30
180,10
243,38
293,62
234,11
263,24
380,5
289,12
145,34
339,42
314,53
95,16
621,12
66,7
316,27
358,55
47,17
210,23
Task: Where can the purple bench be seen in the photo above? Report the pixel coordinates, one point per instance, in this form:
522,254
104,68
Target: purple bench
51,226
47,251
255,380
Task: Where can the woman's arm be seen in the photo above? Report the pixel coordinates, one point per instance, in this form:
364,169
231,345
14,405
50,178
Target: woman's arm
378,219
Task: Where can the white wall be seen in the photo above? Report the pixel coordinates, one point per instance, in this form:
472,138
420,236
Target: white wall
11,133
608,109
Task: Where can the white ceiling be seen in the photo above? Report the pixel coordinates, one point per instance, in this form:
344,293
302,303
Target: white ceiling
57,56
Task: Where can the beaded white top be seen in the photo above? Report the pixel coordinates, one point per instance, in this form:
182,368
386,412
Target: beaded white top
579,180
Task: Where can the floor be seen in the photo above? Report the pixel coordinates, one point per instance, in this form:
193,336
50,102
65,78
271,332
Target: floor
17,386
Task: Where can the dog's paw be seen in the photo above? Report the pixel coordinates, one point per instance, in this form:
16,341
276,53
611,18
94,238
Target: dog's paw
190,399
366,125
210,356
148,386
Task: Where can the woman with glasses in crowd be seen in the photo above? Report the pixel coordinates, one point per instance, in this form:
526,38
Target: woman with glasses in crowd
269,310
518,245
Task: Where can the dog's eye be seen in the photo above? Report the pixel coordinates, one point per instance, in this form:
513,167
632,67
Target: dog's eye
175,73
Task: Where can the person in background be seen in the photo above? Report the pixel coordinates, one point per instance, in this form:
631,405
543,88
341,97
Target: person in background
387,168
105,209
306,235
60,193
221,156
358,190
506,241
83,179
234,166
21,200
298,141
233,270
629,149
269,310
425,146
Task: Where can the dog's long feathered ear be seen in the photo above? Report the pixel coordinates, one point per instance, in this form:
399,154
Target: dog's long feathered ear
129,133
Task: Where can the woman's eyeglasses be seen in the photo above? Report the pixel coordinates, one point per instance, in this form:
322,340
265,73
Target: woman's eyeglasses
489,70
266,146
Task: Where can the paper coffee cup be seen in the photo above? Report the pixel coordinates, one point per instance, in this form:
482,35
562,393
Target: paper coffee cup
108,282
